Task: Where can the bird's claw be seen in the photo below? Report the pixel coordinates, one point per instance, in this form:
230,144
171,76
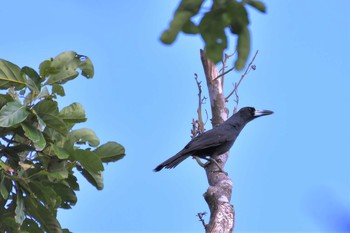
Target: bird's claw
211,160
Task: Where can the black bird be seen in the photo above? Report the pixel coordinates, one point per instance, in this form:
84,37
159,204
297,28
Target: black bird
216,141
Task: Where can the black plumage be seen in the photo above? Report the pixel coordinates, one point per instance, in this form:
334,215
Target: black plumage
216,141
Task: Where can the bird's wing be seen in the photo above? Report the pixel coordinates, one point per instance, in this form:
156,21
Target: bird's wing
210,138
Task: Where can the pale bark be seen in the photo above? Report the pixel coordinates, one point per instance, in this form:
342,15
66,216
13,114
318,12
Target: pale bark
218,195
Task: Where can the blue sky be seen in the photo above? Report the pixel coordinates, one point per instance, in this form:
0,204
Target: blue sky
290,171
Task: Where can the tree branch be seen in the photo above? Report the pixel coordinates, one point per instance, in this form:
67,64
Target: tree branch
201,219
250,67
200,128
218,195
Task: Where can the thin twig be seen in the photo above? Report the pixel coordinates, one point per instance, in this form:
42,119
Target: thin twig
242,77
200,126
223,74
200,216
236,101
194,130
222,71
200,102
207,117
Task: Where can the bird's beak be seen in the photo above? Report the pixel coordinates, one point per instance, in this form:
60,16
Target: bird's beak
259,113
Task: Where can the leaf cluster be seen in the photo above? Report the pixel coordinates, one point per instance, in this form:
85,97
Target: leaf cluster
40,149
223,15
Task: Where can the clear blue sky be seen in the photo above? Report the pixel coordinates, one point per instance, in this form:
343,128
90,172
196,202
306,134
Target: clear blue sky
290,171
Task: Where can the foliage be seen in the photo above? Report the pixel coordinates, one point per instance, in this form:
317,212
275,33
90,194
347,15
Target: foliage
223,14
39,148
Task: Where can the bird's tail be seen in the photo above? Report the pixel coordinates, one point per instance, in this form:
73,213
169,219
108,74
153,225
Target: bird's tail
172,162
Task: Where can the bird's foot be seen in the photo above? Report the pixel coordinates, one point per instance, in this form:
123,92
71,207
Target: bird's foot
200,163
211,160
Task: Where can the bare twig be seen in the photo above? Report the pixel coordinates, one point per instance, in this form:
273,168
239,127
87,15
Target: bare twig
200,216
198,125
200,102
194,130
206,115
222,71
223,74
236,101
250,67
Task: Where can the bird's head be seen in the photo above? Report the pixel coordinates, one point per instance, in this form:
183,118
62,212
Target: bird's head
250,113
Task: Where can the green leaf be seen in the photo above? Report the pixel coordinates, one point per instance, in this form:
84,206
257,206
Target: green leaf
259,5
57,169
43,215
46,69
12,113
34,80
81,136
29,225
34,135
5,187
4,191
66,194
57,176
212,30
182,16
45,194
44,93
74,113
180,19
96,179
110,152
55,137
30,98
19,211
46,107
32,86
89,160
9,223
47,110
14,94
190,28
6,167
238,17
65,230
59,152
72,181
86,66
243,49
192,6
4,99
41,123
66,64
55,123
58,89
61,60
11,75
62,77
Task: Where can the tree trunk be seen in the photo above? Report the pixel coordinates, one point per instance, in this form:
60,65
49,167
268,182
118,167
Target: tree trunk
218,195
